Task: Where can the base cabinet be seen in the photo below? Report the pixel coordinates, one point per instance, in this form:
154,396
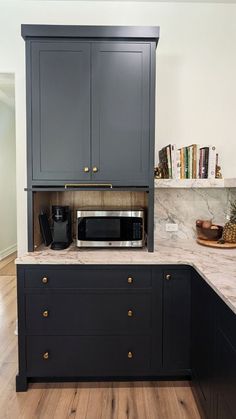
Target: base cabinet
225,363
102,322
119,322
213,352
176,320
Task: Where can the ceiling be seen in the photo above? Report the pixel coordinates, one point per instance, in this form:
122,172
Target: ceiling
7,89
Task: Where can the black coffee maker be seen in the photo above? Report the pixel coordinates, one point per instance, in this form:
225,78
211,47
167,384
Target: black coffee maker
61,227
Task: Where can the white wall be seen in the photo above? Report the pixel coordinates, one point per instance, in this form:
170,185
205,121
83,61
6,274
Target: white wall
7,180
196,69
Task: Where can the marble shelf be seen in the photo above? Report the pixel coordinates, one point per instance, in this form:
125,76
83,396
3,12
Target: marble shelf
195,183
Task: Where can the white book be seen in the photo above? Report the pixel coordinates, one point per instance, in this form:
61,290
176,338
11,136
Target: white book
174,161
212,162
178,164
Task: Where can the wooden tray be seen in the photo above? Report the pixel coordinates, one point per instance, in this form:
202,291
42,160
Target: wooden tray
213,243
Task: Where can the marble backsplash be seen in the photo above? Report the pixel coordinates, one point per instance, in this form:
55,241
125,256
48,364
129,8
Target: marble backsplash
185,206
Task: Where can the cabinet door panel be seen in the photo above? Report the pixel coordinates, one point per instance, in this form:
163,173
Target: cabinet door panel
203,343
60,110
176,325
120,112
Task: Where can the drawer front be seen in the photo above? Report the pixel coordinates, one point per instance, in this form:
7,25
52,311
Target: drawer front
82,312
91,356
47,277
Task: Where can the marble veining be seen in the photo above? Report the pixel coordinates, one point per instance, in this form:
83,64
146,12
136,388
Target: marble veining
185,206
216,266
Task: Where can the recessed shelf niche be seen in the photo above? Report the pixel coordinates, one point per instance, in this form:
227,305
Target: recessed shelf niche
43,201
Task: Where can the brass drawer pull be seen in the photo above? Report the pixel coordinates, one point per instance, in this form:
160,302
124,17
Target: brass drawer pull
44,280
130,355
95,169
86,169
88,185
130,280
130,313
45,355
45,313
168,277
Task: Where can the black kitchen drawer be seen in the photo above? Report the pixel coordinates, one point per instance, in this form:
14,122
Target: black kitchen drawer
80,311
64,277
87,356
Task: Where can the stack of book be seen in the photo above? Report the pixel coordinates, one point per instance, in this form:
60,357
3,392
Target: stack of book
190,162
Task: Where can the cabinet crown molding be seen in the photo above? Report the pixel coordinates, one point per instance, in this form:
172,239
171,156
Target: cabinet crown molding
144,33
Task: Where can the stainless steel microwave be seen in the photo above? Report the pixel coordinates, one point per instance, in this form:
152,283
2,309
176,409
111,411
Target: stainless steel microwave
110,228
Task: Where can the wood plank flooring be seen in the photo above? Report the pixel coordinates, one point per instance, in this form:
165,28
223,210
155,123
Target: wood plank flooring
132,400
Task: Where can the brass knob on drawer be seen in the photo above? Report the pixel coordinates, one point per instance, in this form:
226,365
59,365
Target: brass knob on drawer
168,277
130,355
130,313
45,355
86,169
44,280
45,313
130,280
95,169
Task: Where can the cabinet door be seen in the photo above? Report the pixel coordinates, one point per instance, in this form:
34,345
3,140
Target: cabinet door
203,344
226,362
60,79
176,325
120,112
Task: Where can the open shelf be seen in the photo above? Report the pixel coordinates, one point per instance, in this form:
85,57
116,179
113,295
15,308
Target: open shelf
195,183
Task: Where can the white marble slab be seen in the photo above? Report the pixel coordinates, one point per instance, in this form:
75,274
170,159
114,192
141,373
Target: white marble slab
216,266
195,183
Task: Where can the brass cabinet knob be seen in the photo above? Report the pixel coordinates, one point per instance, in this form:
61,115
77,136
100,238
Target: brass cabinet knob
130,280
44,280
86,169
45,355
45,313
130,313
130,355
95,169
168,277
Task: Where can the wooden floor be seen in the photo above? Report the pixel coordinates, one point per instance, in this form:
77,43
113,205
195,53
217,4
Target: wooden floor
142,400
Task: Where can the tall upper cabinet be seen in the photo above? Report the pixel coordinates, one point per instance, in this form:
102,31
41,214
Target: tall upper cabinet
90,105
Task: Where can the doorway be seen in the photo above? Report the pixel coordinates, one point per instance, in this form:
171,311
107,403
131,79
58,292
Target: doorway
7,166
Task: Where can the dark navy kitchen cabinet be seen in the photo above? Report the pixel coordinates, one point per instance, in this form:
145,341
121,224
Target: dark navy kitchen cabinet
90,105
120,111
225,362
60,110
176,320
203,344
213,352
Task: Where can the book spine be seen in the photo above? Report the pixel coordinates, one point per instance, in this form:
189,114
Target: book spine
190,162
168,150
178,163
204,168
200,163
186,169
182,163
174,161
194,161
212,162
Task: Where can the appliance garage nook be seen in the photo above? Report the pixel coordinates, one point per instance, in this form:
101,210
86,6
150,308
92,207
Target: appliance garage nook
154,312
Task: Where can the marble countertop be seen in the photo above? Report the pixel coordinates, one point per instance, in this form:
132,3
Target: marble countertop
216,266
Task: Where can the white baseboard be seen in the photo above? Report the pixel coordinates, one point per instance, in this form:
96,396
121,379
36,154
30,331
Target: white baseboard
8,251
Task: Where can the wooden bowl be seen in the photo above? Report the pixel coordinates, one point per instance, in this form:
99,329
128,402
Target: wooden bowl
209,233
